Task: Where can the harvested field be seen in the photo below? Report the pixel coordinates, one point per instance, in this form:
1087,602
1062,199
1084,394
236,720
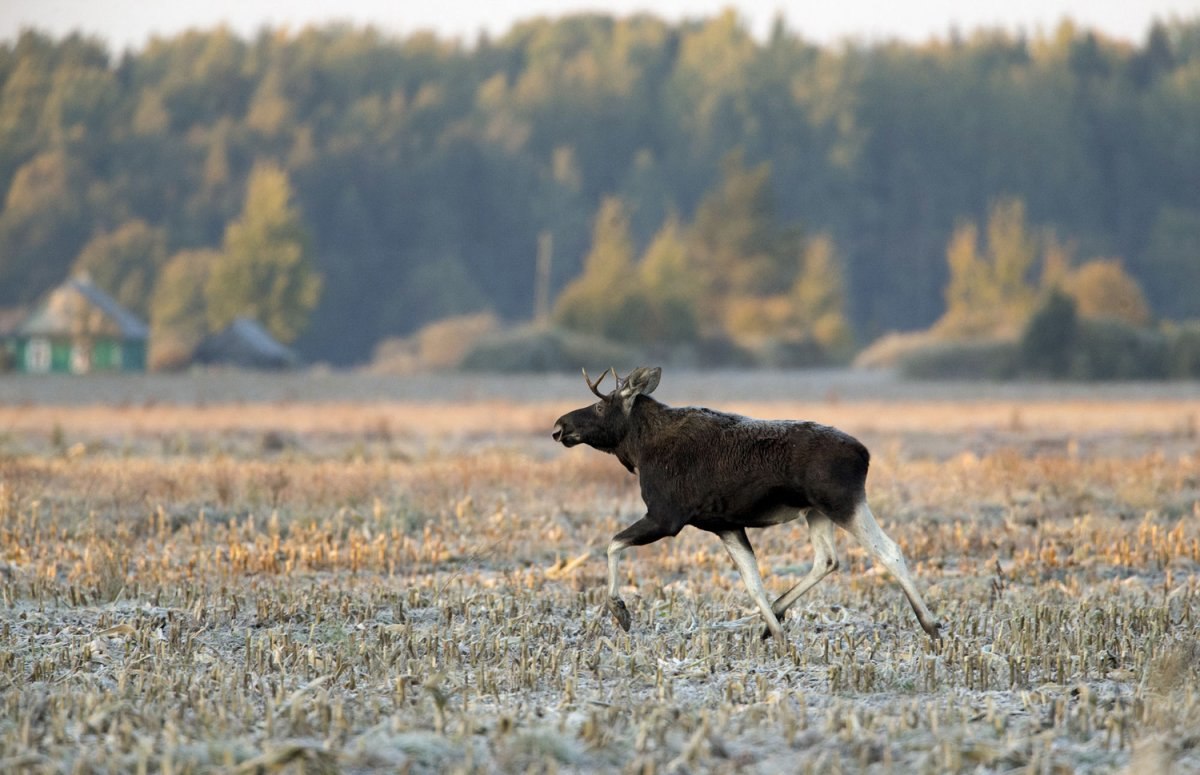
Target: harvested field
284,577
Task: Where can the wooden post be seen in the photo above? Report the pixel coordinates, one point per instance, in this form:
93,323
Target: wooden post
541,301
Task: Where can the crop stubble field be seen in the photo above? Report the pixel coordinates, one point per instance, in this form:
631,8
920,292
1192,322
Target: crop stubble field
236,573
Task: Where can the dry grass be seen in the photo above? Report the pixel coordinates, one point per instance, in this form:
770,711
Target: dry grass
351,587
492,416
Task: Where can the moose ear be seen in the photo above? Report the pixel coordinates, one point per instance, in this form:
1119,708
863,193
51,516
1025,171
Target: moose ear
644,379
641,382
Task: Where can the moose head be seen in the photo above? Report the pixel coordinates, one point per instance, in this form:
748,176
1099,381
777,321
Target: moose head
605,424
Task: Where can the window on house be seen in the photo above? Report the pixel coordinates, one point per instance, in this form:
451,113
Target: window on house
37,355
81,358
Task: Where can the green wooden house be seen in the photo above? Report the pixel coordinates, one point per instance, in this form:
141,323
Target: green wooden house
80,329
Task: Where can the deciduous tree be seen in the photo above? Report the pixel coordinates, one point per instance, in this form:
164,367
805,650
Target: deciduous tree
265,268
178,308
125,262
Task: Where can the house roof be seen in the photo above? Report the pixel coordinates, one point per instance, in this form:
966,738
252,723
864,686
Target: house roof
78,307
11,319
244,342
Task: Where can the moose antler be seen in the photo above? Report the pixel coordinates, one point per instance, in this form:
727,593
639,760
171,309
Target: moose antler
596,384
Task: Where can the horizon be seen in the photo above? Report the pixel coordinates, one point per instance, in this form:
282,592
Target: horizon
129,25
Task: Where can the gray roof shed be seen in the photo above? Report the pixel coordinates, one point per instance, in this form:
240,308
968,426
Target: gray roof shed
245,343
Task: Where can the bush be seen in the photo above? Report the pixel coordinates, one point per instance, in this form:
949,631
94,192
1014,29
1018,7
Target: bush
1056,343
1110,349
793,354
1183,351
438,346
893,348
443,344
971,359
1102,288
719,352
1049,338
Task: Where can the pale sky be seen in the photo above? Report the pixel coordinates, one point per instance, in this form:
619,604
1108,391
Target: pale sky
130,23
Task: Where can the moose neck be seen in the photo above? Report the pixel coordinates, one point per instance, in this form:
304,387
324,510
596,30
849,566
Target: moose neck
642,417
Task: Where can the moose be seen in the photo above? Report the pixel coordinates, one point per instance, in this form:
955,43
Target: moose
723,473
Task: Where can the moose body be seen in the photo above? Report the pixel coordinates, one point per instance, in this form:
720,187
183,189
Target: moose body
723,473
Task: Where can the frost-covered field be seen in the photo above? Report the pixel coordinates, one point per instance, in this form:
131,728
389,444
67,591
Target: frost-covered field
339,572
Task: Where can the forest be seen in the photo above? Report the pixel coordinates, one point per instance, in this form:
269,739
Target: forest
348,186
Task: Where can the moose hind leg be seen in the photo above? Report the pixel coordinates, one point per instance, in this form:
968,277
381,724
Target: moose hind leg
738,546
825,561
885,552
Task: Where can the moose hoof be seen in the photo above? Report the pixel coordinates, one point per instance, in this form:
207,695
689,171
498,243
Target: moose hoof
766,633
616,607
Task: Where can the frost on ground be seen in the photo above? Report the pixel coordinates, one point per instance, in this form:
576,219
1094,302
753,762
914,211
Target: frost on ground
360,593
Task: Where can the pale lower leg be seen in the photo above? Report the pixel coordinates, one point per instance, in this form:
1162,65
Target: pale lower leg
644,531
738,546
885,551
615,548
825,561
616,606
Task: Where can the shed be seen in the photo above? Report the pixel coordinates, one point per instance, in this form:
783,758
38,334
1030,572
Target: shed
246,344
78,329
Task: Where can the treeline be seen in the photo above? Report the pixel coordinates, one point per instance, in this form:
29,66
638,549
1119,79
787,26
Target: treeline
423,173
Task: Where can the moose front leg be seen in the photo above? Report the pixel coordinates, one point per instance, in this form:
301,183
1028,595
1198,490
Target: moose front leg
644,531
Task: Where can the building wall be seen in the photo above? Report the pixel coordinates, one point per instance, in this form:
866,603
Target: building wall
106,355
133,355
58,355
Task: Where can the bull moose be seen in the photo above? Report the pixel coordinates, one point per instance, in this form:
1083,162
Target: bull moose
723,473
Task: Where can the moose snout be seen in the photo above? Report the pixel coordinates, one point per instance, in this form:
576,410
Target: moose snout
564,431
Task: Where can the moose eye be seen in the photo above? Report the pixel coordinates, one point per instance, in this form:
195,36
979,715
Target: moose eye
599,407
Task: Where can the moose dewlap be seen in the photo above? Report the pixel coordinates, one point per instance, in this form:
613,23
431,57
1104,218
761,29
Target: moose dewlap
723,473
